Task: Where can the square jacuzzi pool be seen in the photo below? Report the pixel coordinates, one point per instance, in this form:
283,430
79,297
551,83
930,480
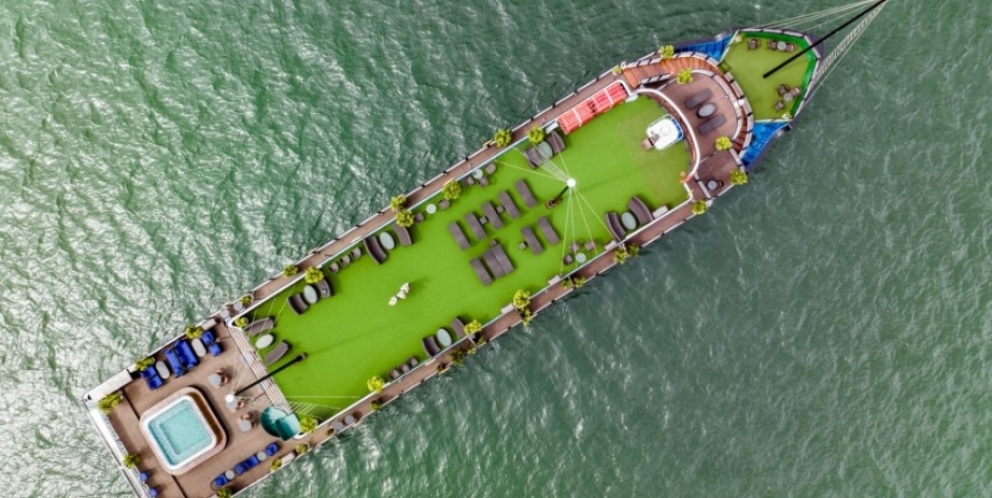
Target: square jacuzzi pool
182,431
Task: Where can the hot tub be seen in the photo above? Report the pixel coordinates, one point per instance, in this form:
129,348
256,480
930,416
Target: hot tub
182,431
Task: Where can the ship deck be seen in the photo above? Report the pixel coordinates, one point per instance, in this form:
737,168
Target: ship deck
356,333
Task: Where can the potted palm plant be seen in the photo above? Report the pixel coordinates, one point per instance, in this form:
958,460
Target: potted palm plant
451,190
404,218
109,402
536,135
375,384
723,143
699,207
143,364
225,492
684,76
667,51
290,271
313,275
397,203
193,331
308,425
503,137
131,460
738,177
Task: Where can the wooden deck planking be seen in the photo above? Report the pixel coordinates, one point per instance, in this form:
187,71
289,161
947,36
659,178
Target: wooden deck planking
240,445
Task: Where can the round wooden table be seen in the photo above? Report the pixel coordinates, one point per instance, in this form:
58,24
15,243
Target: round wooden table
628,220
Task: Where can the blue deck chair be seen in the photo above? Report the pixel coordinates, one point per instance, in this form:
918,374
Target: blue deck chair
220,481
154,382
215,349
177,366
208,337
272,449
153,492
187,355
239,469
252,461
143,477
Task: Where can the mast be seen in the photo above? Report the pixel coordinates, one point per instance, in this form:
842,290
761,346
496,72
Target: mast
856,32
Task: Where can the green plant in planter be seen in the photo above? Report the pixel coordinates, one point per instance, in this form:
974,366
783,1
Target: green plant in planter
143,364
375,405
723,143
503,137
684,76
451,190
375,384
667,51
473,327
526,316
308,425
404,218
241,322
302,448
246,299
225,492
457,357
471,348
738,177
131,460
625,252
108,402
290,271
536,135
397,203
313,275
275,465
521,299
480,340
616,70
699,207
193,331
573,282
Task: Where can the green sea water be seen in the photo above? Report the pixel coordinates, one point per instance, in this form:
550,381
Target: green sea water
821,332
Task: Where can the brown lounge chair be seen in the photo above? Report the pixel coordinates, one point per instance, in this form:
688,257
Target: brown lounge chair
473,224
712,124
297,304
458,327
502,259
459,235
403,234
508,205
555,141
640,210
613,224
277,353
325,289
525,193
492,215
532,242
481,271
547,230
698,99
374,249
494,267
259,326
430,346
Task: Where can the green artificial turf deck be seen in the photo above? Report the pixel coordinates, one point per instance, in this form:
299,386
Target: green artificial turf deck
748,66
355,334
